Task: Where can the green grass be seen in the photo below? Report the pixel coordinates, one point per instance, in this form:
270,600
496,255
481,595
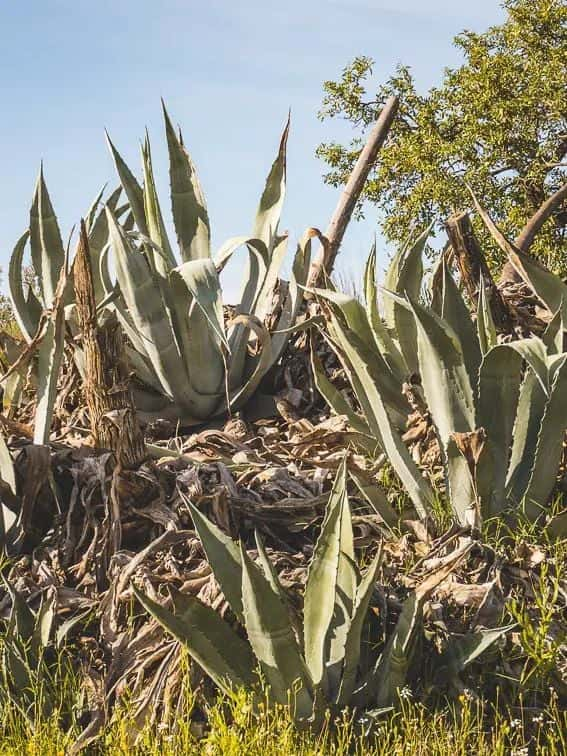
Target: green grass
234,730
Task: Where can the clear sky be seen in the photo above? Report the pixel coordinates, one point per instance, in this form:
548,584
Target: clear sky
228,70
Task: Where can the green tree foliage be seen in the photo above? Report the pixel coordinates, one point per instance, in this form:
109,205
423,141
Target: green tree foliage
497,123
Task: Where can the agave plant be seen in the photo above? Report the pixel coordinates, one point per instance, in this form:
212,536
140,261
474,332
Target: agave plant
39,305
191,364
499,410
316,668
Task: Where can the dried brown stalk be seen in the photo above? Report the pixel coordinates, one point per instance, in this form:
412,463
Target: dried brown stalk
473,267
114,424
324,262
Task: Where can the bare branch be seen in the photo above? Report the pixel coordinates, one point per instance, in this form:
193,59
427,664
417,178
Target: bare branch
525,239
351,193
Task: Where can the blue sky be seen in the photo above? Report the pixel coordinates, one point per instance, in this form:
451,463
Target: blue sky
228,70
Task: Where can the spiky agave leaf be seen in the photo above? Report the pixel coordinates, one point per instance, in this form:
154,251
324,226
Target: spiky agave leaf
188,206
326,613
271,636
448,391
404,277
498,387
390,673
224,656
549,448
357,361
223,555
486,330
462,651
384,341
50,356
47,250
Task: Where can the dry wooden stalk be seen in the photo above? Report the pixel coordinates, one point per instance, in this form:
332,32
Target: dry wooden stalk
114,424
473,267
335,232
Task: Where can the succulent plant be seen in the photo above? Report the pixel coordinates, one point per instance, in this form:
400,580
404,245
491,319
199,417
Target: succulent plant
42,306
191,364
318,667
499,410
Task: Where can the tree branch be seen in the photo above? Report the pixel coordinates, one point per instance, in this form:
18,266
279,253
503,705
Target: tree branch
525,239
351,193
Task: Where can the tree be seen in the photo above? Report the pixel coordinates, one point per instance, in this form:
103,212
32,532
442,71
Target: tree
497,124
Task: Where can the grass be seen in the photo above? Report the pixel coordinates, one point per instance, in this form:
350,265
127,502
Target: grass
462,728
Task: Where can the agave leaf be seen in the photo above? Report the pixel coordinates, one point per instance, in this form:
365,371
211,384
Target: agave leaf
50,355
531,407
131,187
13,388
44,622
98,239
328,573
16,671
547,286
224,656
198,340
188,206
371,399
22,620
445,381
384,342
334,398
449,396
390,673
404,277
27,316
223,555
92,211
165,261
256,247
118,303
265,361
263,301
549,444
353,314
499,386
376,497
345,595
141,367
294,297
47,250
352,645
268,568
256,267
146,308
346,336
8,476
461,652
553,334
534,353
202,281
7,472
271,637
486,329
256,300
271,202
455,312
405,274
